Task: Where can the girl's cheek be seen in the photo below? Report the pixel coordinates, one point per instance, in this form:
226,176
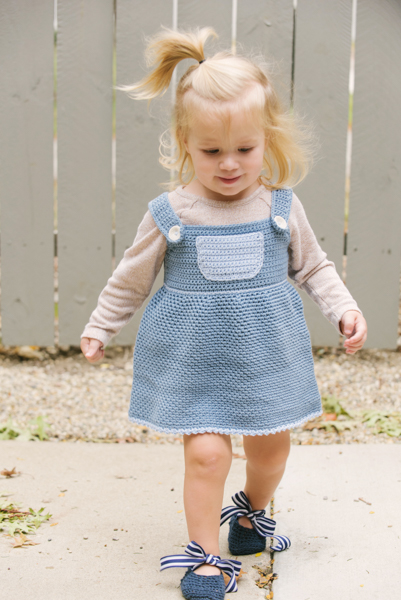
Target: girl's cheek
207,163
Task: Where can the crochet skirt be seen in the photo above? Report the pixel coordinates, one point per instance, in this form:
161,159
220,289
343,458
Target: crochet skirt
231,363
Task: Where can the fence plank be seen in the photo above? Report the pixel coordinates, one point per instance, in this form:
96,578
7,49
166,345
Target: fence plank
84,98
267,28
138,173
26,172
322,59
207,13
374,240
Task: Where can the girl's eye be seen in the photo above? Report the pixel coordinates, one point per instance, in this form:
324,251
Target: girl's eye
215,151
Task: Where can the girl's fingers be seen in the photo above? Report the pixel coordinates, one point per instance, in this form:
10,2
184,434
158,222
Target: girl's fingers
356,333
95,354
94,346
352,347
354,344
359,333
92,349
98,356
357,340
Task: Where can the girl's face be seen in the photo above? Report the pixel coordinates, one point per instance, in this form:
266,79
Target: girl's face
227,163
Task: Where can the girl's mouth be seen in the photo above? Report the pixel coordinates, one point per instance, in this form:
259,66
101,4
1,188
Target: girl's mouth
230,180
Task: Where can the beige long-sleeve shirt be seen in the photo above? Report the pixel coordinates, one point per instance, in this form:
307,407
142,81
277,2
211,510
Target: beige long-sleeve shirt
132,281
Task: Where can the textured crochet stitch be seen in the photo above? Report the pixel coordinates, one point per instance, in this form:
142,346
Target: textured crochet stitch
242,540
202,587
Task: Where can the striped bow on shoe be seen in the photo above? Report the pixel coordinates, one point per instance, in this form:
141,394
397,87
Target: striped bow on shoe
242,540
196,556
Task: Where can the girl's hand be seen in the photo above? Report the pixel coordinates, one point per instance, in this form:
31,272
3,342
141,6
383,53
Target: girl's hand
354,327
92,349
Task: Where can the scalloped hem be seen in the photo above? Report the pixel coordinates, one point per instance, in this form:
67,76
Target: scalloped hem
227,431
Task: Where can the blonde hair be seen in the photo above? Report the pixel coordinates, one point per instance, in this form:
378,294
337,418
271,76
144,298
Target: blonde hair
220,82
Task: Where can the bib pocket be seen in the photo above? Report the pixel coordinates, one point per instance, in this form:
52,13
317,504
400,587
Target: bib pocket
229,257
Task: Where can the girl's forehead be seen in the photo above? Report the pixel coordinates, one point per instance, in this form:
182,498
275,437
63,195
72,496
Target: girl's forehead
208,127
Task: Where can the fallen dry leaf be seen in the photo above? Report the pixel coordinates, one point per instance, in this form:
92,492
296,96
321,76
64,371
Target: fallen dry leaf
329,416
8,473
21,540
264,580
53,524
239,456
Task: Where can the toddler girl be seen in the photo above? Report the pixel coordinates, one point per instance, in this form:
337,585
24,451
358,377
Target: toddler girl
223,345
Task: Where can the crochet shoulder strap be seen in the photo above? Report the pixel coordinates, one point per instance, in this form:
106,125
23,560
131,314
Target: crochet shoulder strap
166,219
281,207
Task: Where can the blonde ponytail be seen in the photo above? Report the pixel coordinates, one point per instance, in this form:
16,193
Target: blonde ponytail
164,51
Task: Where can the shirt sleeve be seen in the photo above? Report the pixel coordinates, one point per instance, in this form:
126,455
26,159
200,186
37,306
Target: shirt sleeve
130,284
312,272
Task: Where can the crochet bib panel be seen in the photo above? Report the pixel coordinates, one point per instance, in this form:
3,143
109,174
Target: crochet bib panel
213,258
229,257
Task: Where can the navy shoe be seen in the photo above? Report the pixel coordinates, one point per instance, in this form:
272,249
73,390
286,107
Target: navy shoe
242,540
203,587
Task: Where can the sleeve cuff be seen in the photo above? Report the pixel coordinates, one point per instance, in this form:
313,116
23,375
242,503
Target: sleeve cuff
97,334
334,310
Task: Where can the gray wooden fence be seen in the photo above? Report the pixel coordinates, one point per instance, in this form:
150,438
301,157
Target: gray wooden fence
312,44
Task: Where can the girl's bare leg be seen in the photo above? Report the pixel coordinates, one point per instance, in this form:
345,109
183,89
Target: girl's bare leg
208,459
266,459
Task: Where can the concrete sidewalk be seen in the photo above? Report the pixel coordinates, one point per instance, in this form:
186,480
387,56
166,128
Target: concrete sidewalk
118,509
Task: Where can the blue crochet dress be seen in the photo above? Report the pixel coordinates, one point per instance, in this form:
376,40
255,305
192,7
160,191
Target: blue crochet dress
223,345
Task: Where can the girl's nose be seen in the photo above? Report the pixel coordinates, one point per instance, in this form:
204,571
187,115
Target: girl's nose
228,163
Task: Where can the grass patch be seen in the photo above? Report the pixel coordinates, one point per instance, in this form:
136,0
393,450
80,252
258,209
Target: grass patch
336,418
35,430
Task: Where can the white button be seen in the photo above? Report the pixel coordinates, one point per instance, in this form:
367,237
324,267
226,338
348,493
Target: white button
174,233
282,223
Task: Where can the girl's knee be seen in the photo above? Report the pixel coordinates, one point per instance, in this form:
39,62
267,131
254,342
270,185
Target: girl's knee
208,456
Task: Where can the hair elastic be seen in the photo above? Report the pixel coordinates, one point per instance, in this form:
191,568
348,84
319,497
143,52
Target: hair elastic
201,61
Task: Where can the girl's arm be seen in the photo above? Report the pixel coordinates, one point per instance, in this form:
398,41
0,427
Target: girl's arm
130,283
313,272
